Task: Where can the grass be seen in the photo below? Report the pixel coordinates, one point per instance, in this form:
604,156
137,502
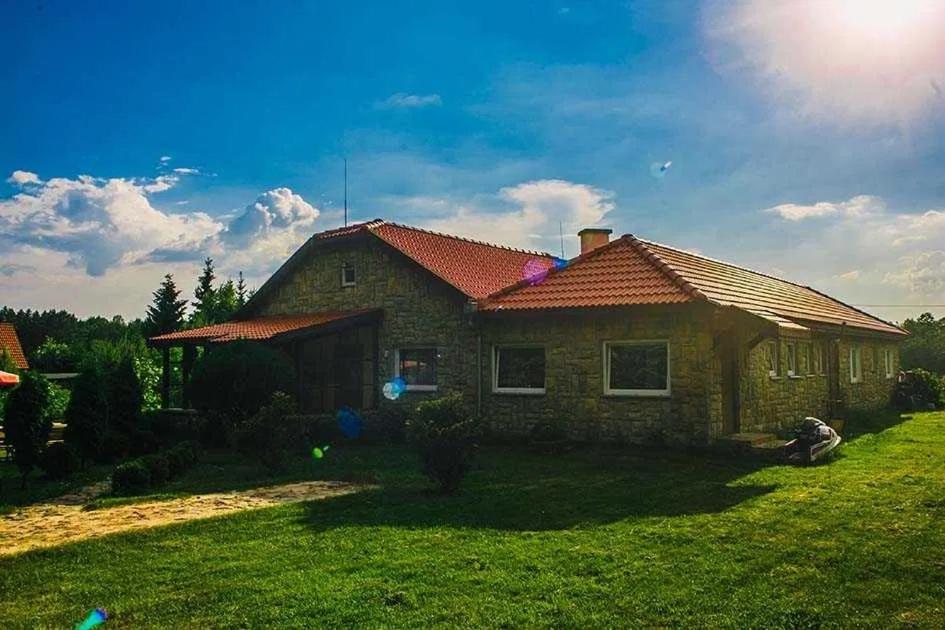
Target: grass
597,537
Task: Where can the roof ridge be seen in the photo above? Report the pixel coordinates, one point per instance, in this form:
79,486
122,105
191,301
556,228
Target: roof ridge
665,268
773,277
461,238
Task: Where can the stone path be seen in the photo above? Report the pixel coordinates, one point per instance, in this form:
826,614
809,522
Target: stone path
63,519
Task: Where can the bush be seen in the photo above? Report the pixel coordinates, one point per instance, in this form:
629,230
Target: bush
181,457
124,396
131,478
445,436
59,460
58,401
271,433
159,468
918,390
386,424
87,414
115,447
26,423
231,383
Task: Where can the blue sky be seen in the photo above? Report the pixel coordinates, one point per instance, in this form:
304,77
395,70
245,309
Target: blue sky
496,120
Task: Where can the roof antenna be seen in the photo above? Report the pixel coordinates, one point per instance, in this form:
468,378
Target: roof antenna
346,190
561,234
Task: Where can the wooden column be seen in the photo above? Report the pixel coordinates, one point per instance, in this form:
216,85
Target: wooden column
165,377
187,365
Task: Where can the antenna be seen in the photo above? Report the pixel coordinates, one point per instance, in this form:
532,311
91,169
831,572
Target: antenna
561,234
346,190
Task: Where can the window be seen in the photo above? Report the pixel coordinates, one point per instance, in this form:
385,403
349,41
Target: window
791,349
803,358
636,368
417,366
856,364
771,358
817,358
888,362
875,359
518,370
347,275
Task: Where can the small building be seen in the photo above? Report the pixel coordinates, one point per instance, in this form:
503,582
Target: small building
10,342
631,340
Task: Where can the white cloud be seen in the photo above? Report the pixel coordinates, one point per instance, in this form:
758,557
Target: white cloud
858,206
186,171
402,100
541,208
846,61
268,230
165,159
23,178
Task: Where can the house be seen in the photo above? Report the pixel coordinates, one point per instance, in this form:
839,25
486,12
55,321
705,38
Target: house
631,340
11,343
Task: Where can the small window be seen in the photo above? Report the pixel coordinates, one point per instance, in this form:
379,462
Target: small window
856,364
636,368
519,370
803,358
417,366
347,275
772,359
816,358
791,349
888,362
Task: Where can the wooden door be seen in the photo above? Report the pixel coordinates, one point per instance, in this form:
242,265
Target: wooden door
730,387
347,373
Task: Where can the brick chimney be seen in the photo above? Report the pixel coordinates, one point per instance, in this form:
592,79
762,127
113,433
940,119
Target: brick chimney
592,238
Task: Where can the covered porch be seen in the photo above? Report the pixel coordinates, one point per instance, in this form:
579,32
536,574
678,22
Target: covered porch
335,354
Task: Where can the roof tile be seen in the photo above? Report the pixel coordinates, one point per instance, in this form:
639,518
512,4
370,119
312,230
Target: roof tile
10,341
260,328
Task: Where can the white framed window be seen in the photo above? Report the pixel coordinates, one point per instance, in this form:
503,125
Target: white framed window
817,358
348,277
856,364
791,352
772,358
888,362
518,369
803,359
636,368
417,366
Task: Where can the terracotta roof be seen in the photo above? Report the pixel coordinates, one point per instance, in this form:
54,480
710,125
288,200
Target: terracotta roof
260,328
618,274
11,342
629,271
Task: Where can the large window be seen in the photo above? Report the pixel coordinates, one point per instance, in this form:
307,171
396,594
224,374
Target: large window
417,366
636,368
856,364
888,362
518,370
771,358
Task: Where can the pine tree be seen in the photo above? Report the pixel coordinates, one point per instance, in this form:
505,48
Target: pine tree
205,296
87,414
27,424
225,302
240,292
166,313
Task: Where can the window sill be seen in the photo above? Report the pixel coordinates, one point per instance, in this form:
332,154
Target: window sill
636,393
796,377
775,377
420,388
518,391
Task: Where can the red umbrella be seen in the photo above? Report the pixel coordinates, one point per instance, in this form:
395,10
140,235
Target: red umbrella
8,380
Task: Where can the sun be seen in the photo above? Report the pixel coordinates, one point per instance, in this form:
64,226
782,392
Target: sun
885,21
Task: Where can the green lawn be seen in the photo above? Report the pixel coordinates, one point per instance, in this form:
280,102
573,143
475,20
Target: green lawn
598,537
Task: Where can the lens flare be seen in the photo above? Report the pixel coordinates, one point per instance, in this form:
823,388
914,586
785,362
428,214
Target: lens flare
96,618
658,169
319,453
394,388
349,422
535,271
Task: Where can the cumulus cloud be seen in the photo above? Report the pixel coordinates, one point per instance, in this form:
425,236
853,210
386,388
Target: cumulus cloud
165,159
278,214
23,178
539,209
186,171
858,206
847,61
402,100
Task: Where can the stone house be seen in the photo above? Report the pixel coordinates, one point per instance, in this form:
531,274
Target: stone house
631,340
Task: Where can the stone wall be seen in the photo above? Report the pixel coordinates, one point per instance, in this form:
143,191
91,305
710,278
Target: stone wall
419,309
574,387
875,389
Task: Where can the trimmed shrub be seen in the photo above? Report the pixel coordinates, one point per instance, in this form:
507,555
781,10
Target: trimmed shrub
143,442
158,466
59,460
131,478
181,457
115,447
87,414
124,396
26,422
386,424
919,390
445,435
231,383
271,433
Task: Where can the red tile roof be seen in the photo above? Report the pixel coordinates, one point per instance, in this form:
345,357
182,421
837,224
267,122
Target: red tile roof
629,271
260,328
11,342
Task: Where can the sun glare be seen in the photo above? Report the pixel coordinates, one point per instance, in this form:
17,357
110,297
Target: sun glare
887,20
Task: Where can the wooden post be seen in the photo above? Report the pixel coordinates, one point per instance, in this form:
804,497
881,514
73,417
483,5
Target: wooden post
165,378
187,365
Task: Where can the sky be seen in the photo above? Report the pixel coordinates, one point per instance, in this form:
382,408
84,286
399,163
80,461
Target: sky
803,139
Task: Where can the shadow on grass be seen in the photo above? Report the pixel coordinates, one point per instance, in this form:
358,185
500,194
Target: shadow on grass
862,422
516,490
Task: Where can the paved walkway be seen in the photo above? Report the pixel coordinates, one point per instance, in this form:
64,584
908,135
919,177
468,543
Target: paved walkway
63,520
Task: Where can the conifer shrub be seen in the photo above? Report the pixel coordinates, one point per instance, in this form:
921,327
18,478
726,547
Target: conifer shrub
271,434
445,435
59,460
26,421
87,414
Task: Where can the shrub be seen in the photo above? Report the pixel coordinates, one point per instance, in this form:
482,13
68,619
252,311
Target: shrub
143,442
159,468
131,477
26,423
181,457
87,414
918,390
231,383
445,436
115,447
271,433
58,401
386,424
59,460
124,396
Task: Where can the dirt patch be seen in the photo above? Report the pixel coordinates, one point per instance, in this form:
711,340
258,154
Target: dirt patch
63,520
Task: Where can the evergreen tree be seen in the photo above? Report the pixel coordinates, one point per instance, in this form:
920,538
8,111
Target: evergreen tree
26,422
124,396
166,313
7,364
226,302
87,414
241,292
205,296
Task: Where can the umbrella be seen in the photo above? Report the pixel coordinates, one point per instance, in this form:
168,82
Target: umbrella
8,380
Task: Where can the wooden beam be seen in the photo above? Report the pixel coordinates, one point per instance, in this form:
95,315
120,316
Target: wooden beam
165,377
187,365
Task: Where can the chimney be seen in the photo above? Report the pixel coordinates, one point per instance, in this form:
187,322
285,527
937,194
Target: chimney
592,238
